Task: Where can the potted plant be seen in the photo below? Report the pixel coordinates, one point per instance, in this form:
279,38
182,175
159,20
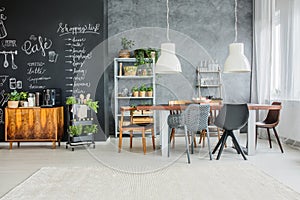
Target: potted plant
23,98
13,99
143,90
126,45
71,100
93,105
75,133
149,91
135,91
90,129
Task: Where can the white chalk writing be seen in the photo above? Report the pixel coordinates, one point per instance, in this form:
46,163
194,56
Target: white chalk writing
64,29
36,44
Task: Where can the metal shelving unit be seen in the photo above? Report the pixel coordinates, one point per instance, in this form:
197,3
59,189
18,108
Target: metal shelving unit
122,82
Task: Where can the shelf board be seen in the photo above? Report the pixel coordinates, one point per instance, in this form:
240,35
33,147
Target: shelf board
208,86
209,71
134,97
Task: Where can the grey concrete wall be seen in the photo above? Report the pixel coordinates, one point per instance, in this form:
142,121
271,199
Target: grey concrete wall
201,30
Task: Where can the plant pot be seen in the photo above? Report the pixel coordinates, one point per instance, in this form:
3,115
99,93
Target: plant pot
149,93
13,104
82,138
142,93
135,94
23,104
124,53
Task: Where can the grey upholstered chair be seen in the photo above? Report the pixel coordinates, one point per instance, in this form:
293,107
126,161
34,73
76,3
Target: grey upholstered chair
196,119
231,117
193,119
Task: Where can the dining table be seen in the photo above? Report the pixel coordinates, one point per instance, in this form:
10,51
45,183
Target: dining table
164,110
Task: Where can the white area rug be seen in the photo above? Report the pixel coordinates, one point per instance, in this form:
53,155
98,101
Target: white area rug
212,180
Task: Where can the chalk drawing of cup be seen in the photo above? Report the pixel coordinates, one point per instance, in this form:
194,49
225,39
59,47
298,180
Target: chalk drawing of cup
52,56
3,32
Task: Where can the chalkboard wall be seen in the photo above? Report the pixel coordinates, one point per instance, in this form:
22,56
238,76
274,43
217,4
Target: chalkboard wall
45,44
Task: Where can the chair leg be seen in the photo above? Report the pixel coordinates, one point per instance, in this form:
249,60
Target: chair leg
169,137
131,135
222,145
276,135
269,138
192,145
204,135
219,143
256,129
144,141
195,143
187,145
153,138
120,141
201,136
237,145
173,137
208,144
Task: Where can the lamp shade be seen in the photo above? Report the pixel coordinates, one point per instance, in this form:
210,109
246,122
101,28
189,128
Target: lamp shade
236,61
168,62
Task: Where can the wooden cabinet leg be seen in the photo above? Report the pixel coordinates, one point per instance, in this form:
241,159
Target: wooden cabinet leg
10,145
18,144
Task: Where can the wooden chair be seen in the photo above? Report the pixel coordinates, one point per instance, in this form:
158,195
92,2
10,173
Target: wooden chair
135,125
176,112
271,121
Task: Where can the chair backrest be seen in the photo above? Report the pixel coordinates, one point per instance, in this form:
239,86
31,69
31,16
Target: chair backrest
273,115
232,116
196,117
177,102
175,121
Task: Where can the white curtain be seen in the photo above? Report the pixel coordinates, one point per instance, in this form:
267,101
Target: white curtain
261,81
276,72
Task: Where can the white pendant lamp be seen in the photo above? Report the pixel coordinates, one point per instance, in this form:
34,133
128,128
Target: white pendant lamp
168,63
236,61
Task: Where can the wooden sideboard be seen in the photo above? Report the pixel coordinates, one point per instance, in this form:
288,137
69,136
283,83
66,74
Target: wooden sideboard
34,124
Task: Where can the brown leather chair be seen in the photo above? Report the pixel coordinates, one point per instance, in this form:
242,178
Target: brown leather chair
271,121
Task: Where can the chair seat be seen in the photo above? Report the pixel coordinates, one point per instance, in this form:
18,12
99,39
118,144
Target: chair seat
264,125
138,126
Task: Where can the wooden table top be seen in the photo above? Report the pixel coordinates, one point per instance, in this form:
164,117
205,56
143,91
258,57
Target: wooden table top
212,106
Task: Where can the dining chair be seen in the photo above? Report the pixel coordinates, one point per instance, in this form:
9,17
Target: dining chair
176,112
212,128
135,126
195,119
231,117
271,121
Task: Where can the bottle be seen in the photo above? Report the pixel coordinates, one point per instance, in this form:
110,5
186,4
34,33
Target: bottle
31,100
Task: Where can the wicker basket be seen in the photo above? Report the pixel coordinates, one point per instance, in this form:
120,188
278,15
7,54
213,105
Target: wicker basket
130,70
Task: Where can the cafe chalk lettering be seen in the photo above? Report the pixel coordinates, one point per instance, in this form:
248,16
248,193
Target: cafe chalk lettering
36,44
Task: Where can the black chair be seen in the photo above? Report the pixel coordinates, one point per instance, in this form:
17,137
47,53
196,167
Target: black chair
231,117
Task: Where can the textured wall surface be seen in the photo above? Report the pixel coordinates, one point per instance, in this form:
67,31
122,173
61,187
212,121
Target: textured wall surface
201,30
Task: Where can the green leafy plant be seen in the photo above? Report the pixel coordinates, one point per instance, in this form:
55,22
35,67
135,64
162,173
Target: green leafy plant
71,100
134,89
23,96
150,88
75,130
139,56
90,128
14,96
126,44
143,88
148,53
93,105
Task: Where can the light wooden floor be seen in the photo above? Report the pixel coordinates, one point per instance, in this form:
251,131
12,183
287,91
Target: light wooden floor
19,163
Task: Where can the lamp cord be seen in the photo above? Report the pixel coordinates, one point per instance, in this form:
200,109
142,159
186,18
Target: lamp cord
235,19
168,25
